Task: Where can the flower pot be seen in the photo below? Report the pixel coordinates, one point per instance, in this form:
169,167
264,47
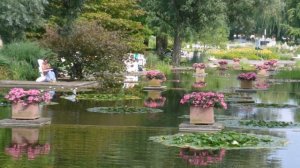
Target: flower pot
200,70
200,115
154,82
25,135
246,84
28,112
153,94
262,72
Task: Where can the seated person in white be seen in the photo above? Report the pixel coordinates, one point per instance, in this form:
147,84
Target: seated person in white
48,71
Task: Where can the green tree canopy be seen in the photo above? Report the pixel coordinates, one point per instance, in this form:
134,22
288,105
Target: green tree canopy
181,15
17,16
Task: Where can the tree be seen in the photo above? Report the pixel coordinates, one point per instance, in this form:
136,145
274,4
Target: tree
18,16
88,48
180,15
240,16
292,26
125,16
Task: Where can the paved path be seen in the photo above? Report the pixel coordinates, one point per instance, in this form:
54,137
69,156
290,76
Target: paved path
80,85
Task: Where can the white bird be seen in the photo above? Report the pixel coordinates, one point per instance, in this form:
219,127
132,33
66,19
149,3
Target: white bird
72,97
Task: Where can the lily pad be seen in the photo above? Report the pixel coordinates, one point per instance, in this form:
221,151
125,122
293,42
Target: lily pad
106,97
263,105
125,110
259,124
220,140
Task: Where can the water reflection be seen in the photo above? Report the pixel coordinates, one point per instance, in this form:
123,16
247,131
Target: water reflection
25,143
154,99
202,157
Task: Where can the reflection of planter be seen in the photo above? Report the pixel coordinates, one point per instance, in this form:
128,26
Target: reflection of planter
202,157
246,84
262,72
154,103
223,66
200,115
199,84
32,150
154,94
200,70
262,83
200,78
30,111
25,135
154,82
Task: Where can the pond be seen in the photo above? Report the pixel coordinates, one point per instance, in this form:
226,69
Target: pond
81,138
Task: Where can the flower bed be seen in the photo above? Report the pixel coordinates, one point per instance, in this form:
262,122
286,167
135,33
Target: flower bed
204,99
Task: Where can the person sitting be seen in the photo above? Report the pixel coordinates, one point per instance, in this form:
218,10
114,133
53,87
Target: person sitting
48,71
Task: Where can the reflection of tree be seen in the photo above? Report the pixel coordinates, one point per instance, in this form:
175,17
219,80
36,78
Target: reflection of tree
276,94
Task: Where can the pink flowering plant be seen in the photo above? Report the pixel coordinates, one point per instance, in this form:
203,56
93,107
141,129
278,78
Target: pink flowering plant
204,99
250,76
199,65
223,62
154,74
261,67
26,97
271,63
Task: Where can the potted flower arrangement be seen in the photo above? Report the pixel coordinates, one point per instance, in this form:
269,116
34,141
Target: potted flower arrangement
272,63
247,79
223,64
262,69
236,63
154,103
202,157
25,103
201,106
200,68
155,78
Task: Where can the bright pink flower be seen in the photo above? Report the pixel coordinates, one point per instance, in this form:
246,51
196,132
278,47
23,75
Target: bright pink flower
204,99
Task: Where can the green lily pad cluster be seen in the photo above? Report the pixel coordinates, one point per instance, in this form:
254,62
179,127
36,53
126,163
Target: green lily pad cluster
223,139
106,97
124,109
268,124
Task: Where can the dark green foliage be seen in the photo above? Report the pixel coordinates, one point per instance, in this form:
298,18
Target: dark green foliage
89,48
268,124
20,60
223,139
124,110
106,97
17,16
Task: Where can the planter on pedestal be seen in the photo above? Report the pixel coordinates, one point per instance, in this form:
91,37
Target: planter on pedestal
28,112
154,83
200,115
246,84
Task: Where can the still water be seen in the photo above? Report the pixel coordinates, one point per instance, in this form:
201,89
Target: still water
81,139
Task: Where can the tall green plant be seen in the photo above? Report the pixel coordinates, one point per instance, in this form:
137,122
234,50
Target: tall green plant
20,58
